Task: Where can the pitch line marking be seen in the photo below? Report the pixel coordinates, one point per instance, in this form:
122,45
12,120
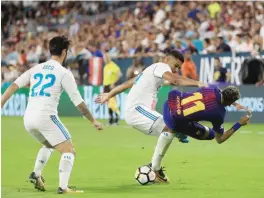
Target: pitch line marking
260,132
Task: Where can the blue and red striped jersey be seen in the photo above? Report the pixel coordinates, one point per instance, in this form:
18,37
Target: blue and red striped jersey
204,104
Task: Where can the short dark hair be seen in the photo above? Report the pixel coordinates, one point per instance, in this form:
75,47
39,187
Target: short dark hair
57,44
221,38
230,95
207,40
176,54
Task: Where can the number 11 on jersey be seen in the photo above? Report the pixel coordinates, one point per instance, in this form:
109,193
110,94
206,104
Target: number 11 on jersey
196,100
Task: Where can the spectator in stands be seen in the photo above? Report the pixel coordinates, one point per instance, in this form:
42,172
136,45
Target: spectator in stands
32,56
152,49
95,50
167,46
249,43
31,23
232,42
178,45
214,9
160,38
112,75
44,55
222,46
136,68
12,56
9,73
23,58
204,29
82,56
193,11
159,16
191,47
241,45
188,68
208,47
74,28
221,74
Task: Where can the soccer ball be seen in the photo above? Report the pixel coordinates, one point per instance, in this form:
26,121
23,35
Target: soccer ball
145,175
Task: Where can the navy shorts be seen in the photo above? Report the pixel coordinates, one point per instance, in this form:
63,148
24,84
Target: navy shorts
187,127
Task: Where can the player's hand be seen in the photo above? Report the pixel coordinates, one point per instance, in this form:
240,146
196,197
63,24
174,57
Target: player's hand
202,85
98,125
244,120
241,107
102,98
112,86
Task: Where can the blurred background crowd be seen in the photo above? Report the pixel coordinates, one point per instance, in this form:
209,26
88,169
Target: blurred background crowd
126,29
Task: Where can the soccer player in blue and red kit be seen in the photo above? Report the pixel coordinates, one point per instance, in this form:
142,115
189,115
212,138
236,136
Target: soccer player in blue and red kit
183,111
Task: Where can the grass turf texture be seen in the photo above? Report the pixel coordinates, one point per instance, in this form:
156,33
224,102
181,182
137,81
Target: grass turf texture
106,162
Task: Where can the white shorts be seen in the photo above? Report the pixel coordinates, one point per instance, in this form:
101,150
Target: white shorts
144,119
46,128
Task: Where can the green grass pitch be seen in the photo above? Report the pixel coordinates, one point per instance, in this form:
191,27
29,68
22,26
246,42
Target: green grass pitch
106,162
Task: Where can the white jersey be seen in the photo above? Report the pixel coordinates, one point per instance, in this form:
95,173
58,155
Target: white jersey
146,86
47,81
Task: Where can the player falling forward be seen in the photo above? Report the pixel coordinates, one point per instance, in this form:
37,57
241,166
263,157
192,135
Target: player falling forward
47,81
141,100
183,111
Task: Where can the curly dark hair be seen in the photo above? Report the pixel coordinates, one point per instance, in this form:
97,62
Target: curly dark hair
57,44
230,95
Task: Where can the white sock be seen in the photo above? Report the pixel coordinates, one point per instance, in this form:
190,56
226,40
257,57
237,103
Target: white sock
162,146
65,168
42,159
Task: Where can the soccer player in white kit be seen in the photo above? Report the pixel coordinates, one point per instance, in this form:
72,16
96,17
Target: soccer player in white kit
141,101
47,81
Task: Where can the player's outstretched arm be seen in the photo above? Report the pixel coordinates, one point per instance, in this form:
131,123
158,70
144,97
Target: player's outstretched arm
85,111
8,93
69,85
220,138
181,80
241,107
21,81
102,98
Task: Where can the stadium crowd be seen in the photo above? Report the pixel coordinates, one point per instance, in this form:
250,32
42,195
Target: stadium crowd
144,29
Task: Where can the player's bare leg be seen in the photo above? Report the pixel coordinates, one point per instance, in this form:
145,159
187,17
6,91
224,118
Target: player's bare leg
42,158
162,146
65,167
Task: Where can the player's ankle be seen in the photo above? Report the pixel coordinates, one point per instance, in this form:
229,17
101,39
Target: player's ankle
37,174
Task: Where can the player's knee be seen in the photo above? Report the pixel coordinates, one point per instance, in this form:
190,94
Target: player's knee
211,135
166,129
65,147
68,150
73,151
47,144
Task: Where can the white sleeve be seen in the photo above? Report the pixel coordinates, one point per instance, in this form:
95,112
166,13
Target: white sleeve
160,69
69,85
23,80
